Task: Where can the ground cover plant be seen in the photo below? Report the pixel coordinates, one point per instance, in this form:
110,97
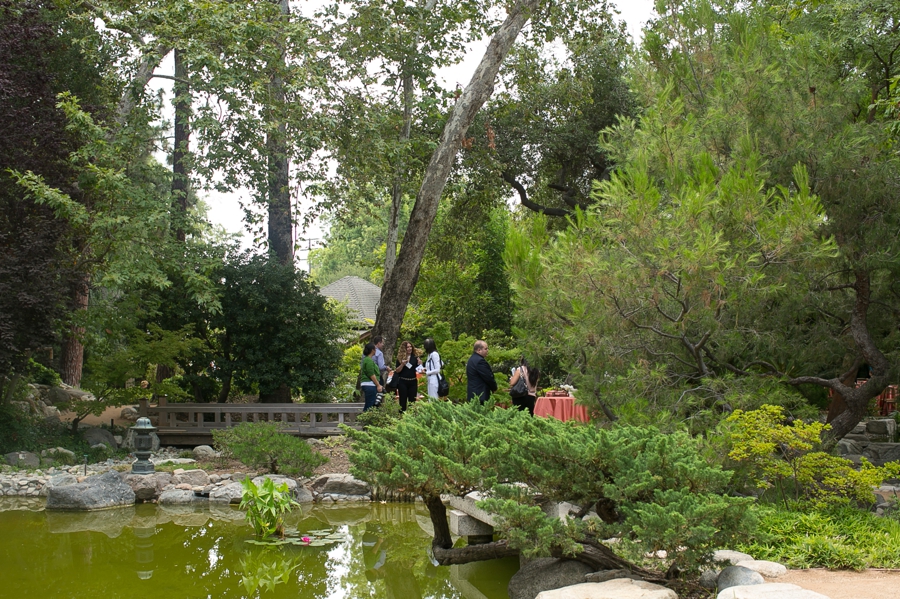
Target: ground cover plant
836,538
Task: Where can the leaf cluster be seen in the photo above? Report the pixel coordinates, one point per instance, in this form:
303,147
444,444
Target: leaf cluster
266,506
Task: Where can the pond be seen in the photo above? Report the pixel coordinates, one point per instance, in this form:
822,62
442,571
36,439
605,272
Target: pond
149,551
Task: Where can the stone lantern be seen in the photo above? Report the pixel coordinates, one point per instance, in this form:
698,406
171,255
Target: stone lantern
143,442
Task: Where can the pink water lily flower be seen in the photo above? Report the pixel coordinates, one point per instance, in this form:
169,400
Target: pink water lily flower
305,540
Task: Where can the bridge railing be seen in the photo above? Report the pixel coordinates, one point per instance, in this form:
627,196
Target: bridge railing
303,419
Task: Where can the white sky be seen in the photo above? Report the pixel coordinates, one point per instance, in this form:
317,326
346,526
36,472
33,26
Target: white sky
224,209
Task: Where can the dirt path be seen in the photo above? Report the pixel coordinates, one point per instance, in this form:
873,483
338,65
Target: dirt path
841,584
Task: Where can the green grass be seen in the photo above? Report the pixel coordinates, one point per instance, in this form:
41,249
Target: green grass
839,538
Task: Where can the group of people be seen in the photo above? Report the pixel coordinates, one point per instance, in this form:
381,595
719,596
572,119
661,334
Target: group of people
480,381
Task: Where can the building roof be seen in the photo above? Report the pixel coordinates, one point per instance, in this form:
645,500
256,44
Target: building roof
360,296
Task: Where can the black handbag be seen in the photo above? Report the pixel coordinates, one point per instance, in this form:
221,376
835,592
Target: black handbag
443,389
520,389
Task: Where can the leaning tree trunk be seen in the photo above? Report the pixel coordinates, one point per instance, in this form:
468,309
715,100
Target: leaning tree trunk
280,232
856,400
398,288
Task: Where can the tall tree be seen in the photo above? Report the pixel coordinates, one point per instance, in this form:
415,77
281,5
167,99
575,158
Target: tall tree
397,290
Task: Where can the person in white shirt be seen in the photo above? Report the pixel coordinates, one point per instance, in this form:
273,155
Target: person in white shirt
432,367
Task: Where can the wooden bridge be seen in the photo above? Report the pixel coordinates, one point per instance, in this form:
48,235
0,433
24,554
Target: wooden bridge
193,423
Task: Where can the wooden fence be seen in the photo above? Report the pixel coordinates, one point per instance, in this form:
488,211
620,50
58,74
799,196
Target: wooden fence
193,423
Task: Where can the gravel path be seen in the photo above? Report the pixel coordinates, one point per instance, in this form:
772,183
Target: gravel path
843,584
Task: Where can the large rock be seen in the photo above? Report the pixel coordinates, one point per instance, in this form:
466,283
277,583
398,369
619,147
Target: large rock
546,574
129,441
195,478
181,497
735,576
60,480
339,484
227,493
882,453
881,427
96,435
778,590
95,493
59,453
204,452
130,414
278,480
60,396
767,569
23,459
849,447
730,557
620,588
148,487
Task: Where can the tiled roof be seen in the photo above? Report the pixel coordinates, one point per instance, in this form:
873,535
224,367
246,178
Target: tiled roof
360,295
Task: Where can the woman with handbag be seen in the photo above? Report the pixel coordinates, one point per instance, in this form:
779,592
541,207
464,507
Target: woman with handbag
405,374
432,368
523,387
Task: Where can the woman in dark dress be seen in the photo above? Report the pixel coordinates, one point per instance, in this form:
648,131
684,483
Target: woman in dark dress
405,374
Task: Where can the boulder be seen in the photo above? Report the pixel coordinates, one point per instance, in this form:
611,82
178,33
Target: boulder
204,452
228,493
709,579
779,590
767,569
303,495
63,395
546,574
604,575
339,484
60,480
730,557
882,427
735,576
278,479
59,453
95,436
148,487
849,447
94,493
620,588
195,478
181,497
130,414
23,459
882,453
129,441
51,412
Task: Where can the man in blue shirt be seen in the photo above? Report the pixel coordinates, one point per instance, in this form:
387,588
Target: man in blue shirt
479,377
379,356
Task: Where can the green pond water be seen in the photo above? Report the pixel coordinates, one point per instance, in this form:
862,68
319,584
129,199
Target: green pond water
149,552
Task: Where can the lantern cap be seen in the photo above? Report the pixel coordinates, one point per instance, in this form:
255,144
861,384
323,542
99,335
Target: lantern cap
144,423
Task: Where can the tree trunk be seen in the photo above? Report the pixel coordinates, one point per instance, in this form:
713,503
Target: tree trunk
72,356
390,254
438,512
856,400
280,232
180,182
398,288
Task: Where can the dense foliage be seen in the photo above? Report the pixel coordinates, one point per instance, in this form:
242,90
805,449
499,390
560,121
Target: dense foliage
263,445
442,448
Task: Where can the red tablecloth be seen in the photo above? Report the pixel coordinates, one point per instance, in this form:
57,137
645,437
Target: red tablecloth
561,408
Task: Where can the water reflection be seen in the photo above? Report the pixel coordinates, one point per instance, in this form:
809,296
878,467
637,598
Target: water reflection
158,552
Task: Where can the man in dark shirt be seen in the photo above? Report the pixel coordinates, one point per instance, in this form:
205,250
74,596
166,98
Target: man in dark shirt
479,378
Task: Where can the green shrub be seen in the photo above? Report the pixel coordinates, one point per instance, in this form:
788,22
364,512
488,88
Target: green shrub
384,415
263,445
41,375
773,454
837,538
